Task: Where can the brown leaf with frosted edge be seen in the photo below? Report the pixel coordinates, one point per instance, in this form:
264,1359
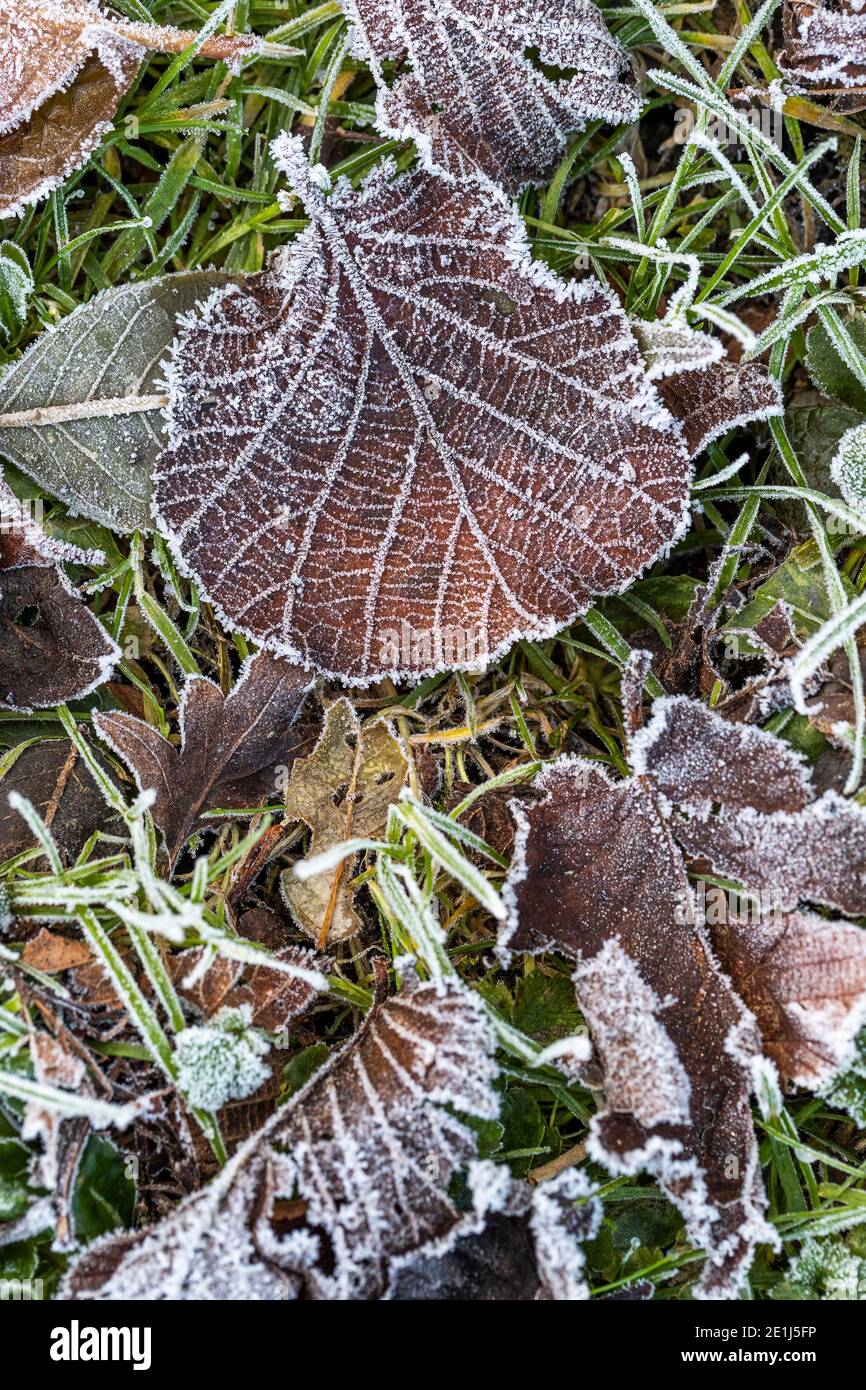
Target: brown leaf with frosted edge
596,876
364,1154
473,102
804,979
684,1005
710,401
825,45
66,65
52,649
341,791
234,750
60,136
406,444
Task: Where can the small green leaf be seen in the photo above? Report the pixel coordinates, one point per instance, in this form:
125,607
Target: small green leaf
16,287
104,1196
825,366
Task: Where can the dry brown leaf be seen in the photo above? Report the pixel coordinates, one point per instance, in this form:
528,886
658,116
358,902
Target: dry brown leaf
52,648
53,777
52,953
341,791
344,1194
825,47
66,64
235,749
599,875
474,103
407,443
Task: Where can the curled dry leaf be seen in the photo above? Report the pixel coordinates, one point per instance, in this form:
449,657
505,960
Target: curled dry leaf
684,1005
52,776
825,44
52,648
473,102
233,748
66,65
341,791
343,1184
408,426
80,410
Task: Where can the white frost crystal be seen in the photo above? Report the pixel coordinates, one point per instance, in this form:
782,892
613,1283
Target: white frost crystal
222,1060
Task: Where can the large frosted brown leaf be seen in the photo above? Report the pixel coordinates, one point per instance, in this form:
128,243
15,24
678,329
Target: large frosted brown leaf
341,791
599,876
231,746
52,649
66,64
473,101
364,1155
406,428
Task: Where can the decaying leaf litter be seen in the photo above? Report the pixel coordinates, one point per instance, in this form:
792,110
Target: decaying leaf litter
354,451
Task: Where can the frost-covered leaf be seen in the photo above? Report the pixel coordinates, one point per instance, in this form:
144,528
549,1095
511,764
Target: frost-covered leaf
221,1060
825,43
341,791
71,408
473,101
670,346
232,747
48,146
830,373
52,777
275,998
825,1269
804,979
848,469
406,444
711,400
66,65
16,286
684,1004
52,649
344,1184
532,1252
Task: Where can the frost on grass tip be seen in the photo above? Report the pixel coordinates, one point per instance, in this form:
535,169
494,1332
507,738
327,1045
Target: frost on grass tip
365,1153
685,1005
473,102
406,429
52,648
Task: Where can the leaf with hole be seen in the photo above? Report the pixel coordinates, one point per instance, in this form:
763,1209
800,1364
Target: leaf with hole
342,791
